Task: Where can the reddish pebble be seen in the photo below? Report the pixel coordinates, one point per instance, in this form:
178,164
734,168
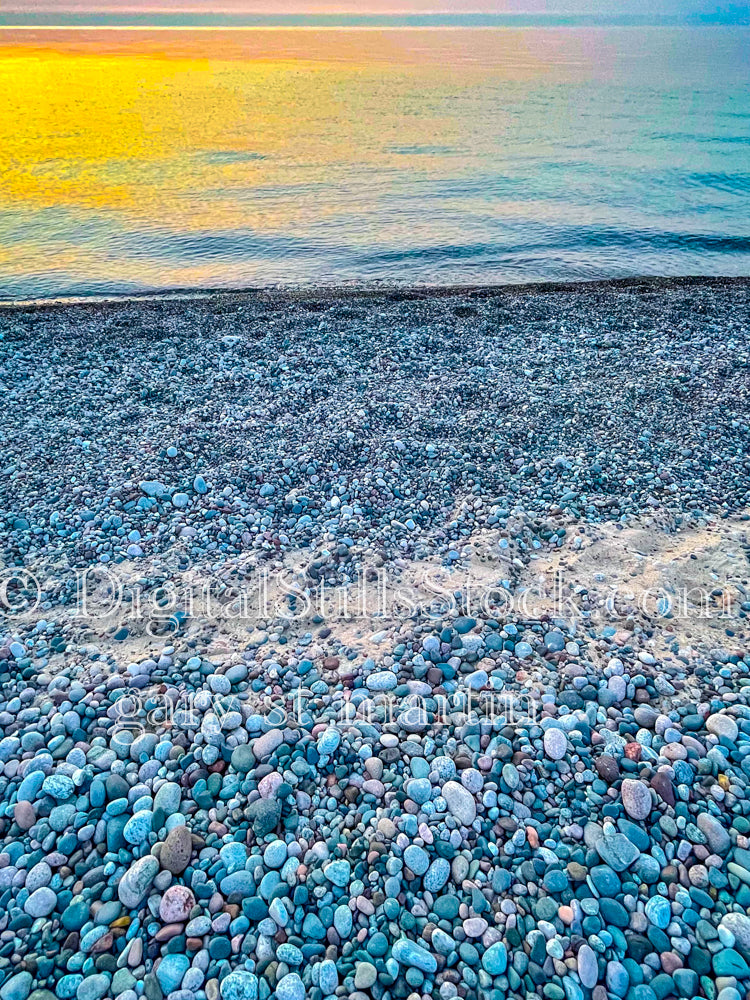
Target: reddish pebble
168,931
176,904
670,962
103,944
24,814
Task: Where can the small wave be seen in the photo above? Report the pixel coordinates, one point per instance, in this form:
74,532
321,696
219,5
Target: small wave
731,183
231,156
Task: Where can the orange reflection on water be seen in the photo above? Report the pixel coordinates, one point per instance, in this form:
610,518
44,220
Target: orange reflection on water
273,133
168,126
154,158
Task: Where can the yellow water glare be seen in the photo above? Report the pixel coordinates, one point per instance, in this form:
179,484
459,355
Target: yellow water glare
142,133
101,120
192,131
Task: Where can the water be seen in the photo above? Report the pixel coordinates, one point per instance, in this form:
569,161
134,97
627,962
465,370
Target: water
134,160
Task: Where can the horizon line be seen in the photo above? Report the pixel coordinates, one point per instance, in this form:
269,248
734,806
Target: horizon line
210,22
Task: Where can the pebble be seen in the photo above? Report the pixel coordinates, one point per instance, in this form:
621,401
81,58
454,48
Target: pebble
636,798
417,859
555,744
135,883
460,802
597,848
239,985
587,966
177,850
495,959
176,904
413,956
722,725
290,987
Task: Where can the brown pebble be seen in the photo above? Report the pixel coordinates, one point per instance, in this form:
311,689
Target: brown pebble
607,768
664,788
576,871
103,944
670,962
177,850
135,952
24,814
168,931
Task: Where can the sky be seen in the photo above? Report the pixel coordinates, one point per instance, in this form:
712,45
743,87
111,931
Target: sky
285,7
725,10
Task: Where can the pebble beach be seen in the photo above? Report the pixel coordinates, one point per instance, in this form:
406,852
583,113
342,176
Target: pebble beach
464,799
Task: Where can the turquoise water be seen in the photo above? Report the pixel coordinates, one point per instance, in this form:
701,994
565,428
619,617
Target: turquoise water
145,160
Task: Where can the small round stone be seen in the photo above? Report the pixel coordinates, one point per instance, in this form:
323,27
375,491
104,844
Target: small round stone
636,798
555,744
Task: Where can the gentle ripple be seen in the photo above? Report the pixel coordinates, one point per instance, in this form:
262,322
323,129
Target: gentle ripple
146,160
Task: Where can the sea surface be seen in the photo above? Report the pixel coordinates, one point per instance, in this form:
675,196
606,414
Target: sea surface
153,159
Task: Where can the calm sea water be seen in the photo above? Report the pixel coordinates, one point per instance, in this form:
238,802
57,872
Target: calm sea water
134,160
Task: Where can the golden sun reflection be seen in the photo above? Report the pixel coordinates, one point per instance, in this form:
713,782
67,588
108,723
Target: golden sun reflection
120,150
